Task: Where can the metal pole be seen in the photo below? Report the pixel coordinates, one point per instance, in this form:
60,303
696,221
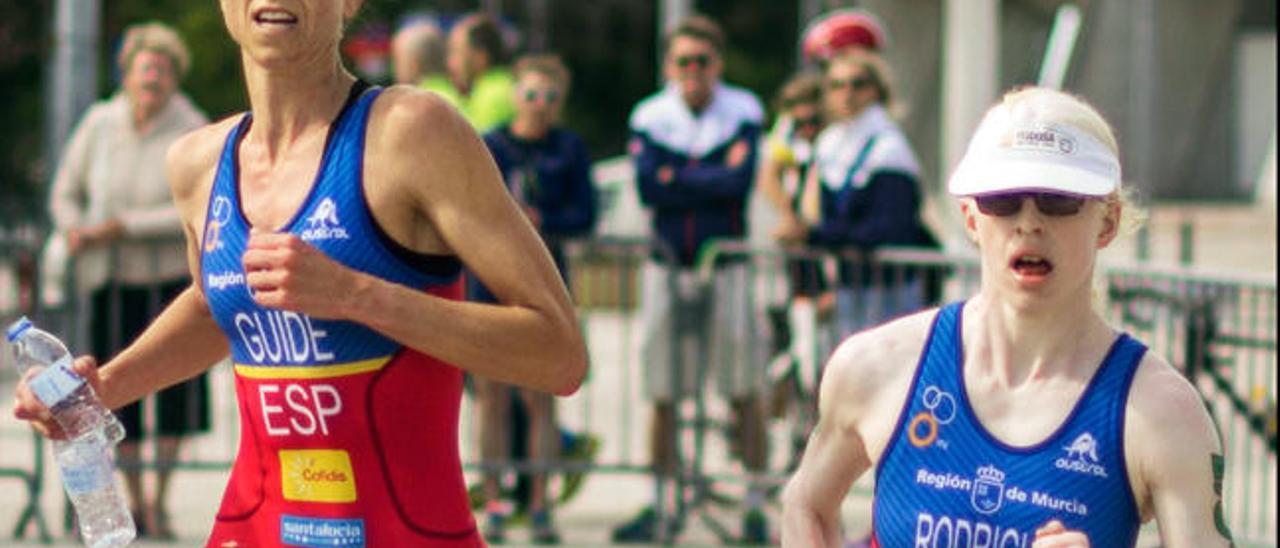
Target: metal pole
539,24
971,38
670,12
73,70
1142,96
1062,42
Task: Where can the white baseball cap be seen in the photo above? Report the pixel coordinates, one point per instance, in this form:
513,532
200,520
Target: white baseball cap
1009,155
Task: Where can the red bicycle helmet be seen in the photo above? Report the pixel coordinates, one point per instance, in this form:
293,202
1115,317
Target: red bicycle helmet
836,30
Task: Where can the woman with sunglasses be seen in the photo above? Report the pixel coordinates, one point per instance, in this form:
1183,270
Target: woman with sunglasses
326,232
865,194
1025,420
783,173
548,170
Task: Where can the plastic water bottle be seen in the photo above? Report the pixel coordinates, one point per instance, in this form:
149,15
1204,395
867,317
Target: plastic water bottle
88,474
69,398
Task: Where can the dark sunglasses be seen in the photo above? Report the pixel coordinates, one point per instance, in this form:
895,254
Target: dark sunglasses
702,60
1053,205
812,121
851,83
547,95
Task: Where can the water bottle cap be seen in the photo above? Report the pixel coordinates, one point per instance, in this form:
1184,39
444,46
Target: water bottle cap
16,328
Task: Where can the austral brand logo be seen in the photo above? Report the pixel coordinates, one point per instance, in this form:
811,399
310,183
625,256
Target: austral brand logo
323,223
988,490
1082,457
940,409
219,216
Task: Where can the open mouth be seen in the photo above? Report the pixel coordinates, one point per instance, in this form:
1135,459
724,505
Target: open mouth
1031,266
273,17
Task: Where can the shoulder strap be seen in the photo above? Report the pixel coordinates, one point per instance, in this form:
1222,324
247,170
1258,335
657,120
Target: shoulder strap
857,162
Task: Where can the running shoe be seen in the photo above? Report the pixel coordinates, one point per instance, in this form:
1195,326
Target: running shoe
577,449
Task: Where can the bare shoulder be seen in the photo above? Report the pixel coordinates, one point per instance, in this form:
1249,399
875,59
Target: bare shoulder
1169,434
414,136
870,372
1166,406
192,159
405,116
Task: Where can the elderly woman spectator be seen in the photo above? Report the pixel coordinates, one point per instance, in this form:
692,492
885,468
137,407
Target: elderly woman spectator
112,208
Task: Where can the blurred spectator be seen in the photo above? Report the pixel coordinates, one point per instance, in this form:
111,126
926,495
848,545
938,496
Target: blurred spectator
869,193
784,172
477,59
548,171
694,147
110,196
418,56
484,91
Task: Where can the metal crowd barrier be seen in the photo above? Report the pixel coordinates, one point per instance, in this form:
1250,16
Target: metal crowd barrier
19,295
1219,330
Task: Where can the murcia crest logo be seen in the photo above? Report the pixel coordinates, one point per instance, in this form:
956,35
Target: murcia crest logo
988,490
323,223
1082,457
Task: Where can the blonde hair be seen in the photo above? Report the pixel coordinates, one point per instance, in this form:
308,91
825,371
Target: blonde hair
802,89
1040,104
876,69
546,64
157,37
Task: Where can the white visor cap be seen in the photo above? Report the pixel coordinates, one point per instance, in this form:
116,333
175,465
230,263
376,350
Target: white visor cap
1007,155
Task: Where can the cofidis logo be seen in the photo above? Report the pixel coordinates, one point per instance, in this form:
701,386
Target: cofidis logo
317,475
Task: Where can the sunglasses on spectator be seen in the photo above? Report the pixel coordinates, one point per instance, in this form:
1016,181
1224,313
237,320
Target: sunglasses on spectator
851,83
1050,204
702,60
548,95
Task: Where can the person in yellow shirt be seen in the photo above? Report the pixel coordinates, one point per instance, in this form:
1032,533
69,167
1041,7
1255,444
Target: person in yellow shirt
476,59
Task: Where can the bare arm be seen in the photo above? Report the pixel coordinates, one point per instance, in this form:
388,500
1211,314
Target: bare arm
1178,456
183,340
834,458
530,339
769,178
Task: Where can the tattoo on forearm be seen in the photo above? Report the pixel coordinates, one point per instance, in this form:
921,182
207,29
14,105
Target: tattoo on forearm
1218,464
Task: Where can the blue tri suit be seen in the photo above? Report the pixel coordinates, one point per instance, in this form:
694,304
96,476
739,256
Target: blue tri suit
347,438
944,480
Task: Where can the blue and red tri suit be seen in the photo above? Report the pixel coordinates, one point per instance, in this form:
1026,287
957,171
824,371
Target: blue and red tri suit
945,480
348,438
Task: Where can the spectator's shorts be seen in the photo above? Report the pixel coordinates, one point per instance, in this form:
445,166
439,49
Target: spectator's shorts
714,328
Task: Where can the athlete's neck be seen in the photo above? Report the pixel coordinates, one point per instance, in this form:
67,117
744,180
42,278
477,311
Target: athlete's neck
288,104
1020,345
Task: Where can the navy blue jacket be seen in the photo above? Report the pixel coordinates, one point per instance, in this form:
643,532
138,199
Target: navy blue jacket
554,176
706,198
